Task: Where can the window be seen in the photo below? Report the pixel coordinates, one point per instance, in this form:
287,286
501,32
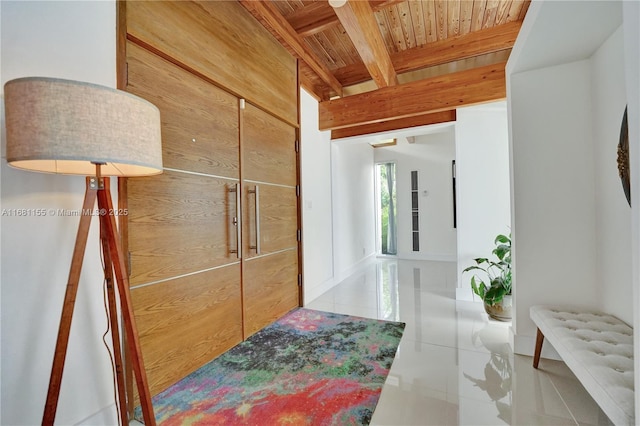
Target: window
414,211
386,217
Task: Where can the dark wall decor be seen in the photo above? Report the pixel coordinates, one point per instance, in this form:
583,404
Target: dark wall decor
623,158
455,206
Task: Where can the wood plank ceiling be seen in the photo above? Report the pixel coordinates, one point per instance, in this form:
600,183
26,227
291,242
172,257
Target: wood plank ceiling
382,65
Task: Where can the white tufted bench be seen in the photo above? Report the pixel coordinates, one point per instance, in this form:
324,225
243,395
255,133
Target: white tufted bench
598,348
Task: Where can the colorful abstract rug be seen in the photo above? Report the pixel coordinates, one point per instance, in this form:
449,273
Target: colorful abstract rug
308,368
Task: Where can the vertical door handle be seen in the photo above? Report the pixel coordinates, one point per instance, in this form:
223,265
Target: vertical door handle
256,191
236,221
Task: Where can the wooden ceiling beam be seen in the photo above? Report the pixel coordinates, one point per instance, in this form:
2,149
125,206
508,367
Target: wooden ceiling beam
440,52
390,125
446,92
456,48
356,16
312,19
319,16
316,89
270,14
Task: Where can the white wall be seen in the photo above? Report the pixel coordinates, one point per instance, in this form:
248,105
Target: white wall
431,156
482,169
317,227
74,40
631,30
338,197
554,238
353,206
614,80
613,214
565,126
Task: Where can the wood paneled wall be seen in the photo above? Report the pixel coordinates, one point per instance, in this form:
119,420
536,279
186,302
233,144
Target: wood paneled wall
223,43
228,96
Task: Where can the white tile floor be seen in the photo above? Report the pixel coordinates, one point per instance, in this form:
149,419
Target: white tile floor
455,366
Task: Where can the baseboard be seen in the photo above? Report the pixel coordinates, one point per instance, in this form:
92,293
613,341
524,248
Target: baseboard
525,345
355,268
434,257
310,294
106,416
466,294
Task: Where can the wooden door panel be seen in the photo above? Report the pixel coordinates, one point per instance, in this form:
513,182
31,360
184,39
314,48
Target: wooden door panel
270,289
270,278
279,218
179,223
199,121
180,229
186,322
268,148
278,209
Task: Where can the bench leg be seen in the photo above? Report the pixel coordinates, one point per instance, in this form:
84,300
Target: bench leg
536,355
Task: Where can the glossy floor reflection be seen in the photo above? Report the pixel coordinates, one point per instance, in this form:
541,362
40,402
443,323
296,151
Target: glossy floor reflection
454,365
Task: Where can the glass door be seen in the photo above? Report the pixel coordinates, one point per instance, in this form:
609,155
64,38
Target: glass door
386,211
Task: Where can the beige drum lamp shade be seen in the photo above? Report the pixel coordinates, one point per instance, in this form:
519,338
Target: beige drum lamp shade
67,127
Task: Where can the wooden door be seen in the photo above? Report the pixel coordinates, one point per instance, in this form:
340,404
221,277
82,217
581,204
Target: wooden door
186,281
270,218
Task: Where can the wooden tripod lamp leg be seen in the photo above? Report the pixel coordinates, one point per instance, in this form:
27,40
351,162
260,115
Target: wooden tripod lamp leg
104,202
115,329
114,261
67,309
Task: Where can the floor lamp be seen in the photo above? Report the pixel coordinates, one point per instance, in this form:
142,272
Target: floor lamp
70,127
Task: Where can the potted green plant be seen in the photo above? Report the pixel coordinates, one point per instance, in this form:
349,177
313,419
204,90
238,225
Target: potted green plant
492,279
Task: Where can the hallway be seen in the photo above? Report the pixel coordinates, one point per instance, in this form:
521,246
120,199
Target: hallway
454,366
